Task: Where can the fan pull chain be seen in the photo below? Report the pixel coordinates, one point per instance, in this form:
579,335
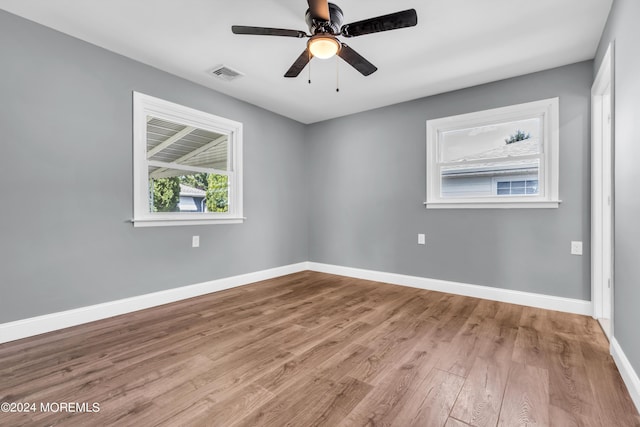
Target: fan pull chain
309,66
337,74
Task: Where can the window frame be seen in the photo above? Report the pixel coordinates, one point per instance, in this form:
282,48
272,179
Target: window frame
547,110
144,106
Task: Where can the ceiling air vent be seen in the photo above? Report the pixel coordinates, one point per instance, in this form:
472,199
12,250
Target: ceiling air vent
225,73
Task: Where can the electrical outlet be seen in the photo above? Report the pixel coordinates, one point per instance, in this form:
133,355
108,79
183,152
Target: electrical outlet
195,242
421,239
576,248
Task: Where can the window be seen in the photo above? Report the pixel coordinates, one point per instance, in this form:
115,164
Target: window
516,185
187,165
501,158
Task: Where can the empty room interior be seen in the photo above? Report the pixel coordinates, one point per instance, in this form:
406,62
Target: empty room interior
270,213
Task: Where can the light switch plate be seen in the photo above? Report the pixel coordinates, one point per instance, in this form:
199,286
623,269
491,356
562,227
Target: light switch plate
421,239
195,242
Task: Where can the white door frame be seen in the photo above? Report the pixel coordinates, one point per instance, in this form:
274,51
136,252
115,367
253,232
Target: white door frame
602,225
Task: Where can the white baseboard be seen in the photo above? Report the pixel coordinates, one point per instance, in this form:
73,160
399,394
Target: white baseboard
629,375
50,322
548,302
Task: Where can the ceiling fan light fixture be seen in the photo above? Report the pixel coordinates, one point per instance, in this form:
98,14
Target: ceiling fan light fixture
323,46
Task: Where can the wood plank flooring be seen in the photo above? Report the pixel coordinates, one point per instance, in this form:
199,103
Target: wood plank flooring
313,349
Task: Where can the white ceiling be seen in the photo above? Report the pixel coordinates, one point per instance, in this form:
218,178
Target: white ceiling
456,44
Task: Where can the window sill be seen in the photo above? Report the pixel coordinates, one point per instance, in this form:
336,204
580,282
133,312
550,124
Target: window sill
190,221
498,204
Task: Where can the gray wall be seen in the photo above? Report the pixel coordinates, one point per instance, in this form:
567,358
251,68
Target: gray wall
622,28
367,188
66,174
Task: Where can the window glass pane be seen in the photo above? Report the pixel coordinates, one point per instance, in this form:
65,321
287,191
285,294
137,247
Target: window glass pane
172,190
177,143
489,179
501,140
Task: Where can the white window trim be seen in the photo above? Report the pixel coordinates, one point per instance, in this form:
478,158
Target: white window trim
145,105
546,109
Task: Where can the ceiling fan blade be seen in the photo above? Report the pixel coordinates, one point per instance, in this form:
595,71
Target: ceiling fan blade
299,65
319,9
262,31
356,60
393,21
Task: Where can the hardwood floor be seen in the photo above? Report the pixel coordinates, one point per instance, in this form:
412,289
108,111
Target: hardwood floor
313,349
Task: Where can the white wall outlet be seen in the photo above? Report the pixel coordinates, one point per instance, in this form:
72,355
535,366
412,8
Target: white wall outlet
576,248
421,239
195,242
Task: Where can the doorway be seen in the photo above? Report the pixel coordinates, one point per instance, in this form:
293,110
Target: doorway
602,103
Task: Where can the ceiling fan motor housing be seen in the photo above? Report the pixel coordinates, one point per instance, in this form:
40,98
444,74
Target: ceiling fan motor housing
332,27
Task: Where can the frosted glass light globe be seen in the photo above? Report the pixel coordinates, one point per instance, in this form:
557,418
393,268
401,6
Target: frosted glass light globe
323,47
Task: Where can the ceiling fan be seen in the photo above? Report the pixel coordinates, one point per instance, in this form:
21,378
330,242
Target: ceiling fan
325,24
